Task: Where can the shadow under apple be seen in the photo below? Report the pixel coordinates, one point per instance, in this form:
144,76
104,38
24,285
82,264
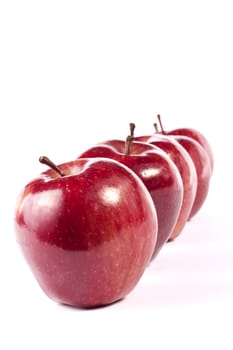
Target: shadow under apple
197,268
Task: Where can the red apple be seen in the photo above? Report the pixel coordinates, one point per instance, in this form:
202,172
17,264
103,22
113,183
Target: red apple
195,135
203,169
185,165
158,173
87,229
202,163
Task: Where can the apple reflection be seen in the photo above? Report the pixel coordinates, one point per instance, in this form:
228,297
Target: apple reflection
110,195
150,173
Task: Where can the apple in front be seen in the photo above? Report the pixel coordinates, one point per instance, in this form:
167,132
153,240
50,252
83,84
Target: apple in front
87,230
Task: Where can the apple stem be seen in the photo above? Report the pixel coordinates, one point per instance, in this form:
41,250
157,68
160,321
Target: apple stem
128,142
45,160
156,128
132,128
160,124
129,138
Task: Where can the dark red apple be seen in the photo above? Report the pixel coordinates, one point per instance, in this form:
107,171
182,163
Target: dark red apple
87,229
202,163
195,135
185,165
203,169
159,174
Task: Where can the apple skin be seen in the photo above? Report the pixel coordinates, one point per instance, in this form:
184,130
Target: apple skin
203,168
185,165
89,235
158,173
197,136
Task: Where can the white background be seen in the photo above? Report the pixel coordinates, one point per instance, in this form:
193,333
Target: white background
74,73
